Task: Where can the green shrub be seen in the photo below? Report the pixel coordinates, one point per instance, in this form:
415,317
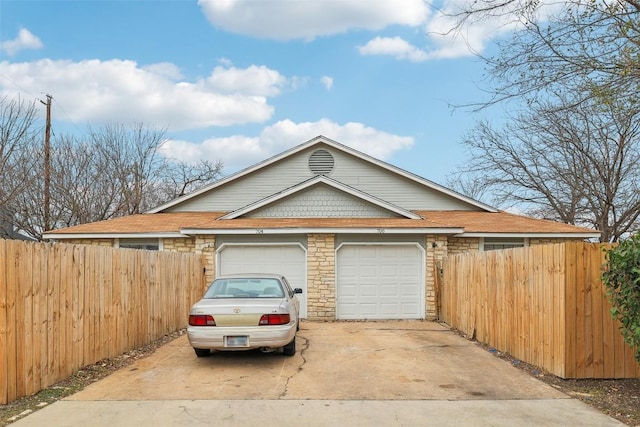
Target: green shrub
622,279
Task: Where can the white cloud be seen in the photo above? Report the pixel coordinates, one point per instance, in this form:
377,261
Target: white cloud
25,40
448,41
165,69
285,19
253,80
443,38
237,152
440,41
118,90
394,46
327,82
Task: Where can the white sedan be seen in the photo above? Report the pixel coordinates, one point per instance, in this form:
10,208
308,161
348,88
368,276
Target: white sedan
244,312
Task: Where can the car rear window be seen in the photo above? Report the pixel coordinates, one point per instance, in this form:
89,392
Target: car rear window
245,288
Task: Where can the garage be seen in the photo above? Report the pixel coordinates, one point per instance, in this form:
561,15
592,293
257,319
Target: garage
376,281
289,260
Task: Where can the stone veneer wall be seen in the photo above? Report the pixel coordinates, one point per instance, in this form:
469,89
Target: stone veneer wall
206,245
179,245
321,287
459,245
437,248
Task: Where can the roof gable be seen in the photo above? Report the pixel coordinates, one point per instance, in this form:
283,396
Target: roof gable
380,179
321,197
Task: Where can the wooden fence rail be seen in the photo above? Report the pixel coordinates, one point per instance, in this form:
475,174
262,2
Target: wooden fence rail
544,304
66,306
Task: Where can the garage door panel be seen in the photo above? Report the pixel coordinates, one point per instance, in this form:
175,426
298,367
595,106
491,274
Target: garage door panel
380,282
389,309
389,270
288,260
389,291
368,290
367,309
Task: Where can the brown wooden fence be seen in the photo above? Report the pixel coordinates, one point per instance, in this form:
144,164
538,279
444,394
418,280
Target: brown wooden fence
66,306
545,305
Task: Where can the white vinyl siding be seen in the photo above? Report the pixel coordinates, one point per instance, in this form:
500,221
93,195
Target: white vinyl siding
349,170
287,259
321,201
380,281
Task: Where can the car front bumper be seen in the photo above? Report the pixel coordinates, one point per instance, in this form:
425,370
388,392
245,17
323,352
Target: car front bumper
213,337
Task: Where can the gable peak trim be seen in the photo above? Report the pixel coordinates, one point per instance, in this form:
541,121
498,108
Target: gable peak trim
321,139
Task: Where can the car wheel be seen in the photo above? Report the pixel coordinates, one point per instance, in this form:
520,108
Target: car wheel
202,352
290,349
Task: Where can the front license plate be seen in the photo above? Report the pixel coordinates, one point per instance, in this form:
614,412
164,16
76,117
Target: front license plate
240,341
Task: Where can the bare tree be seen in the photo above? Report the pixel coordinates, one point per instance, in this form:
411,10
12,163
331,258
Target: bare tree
583,46
572,153
579,164
131,155
18,131
183,178
113,171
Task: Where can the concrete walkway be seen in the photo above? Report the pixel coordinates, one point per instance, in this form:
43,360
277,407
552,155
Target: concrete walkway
345,373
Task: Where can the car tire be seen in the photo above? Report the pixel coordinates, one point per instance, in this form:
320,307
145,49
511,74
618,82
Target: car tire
202,352
290,349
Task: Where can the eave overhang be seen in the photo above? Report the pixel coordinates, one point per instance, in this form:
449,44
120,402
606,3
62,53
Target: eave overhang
69,236
361,230
534,235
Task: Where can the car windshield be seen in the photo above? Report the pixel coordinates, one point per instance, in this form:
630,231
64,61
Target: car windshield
245,288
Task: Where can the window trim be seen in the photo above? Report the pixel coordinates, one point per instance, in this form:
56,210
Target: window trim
512,241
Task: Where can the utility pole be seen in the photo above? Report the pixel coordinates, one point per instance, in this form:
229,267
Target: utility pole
47,165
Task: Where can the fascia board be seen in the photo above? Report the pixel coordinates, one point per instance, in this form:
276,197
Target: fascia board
593,235
364,230
67,236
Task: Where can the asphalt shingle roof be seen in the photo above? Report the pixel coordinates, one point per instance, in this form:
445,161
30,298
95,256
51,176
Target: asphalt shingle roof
470,221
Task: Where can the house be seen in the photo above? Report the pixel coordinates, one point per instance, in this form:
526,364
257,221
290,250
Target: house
361,237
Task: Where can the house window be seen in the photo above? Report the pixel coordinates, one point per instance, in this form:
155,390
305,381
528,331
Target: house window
148,244
493,244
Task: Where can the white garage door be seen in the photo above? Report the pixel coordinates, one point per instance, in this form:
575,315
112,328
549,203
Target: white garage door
288,260
380,282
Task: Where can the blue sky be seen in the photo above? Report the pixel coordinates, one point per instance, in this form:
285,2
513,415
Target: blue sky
242,80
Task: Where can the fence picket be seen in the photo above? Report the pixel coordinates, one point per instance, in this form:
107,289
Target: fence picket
554,312
65,306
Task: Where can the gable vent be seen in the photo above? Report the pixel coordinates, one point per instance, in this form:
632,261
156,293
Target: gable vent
321,162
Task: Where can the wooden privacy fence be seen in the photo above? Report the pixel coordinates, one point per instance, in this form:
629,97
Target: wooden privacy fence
544,304
66,306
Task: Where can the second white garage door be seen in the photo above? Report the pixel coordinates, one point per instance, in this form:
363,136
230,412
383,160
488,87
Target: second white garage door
288,260
380,282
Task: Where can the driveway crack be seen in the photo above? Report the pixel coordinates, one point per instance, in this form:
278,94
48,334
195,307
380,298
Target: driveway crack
305,345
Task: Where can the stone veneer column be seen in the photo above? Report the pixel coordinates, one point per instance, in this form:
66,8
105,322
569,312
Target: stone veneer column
437,247
321,273
206,245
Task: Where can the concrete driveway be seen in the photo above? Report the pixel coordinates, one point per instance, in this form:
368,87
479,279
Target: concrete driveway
349,373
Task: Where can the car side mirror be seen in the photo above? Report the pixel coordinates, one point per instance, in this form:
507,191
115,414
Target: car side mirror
297,291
